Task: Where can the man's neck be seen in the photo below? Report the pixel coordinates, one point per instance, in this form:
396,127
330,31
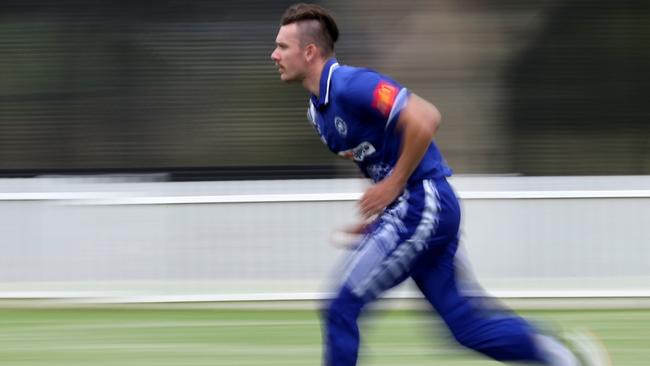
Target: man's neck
312,81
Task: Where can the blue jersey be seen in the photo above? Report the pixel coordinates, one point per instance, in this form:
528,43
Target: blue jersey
356,114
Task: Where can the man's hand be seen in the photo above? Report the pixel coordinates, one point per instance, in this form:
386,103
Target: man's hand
377,197
358,228
350,237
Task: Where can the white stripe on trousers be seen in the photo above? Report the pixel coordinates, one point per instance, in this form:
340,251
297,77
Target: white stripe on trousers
372,271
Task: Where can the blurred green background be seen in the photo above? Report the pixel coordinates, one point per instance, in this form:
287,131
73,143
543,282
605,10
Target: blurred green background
552,87
196,337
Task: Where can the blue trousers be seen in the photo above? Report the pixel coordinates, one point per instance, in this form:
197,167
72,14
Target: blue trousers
417,237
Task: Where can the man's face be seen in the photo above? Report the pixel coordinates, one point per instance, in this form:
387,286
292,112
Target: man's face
288,55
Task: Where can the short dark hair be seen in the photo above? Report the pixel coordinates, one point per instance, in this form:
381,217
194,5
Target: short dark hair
324,32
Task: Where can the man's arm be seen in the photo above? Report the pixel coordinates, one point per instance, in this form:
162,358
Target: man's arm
418,122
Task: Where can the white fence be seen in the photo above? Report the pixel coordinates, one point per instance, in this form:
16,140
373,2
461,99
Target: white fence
108,240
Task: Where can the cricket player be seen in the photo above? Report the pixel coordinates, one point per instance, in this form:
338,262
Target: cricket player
388,132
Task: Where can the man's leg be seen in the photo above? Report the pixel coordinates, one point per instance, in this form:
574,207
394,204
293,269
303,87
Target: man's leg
383,260
476,323
342,330
493,331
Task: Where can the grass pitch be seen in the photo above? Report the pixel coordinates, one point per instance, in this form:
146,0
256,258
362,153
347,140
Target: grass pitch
197,337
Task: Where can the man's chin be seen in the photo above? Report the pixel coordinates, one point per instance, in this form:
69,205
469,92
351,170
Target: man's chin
289,78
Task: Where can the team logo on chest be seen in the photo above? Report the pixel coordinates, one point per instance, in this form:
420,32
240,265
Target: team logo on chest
341,126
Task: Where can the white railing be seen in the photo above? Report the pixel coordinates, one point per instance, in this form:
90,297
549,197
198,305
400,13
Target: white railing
268,240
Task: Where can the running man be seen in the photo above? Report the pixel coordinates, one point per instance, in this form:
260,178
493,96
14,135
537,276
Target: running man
388,132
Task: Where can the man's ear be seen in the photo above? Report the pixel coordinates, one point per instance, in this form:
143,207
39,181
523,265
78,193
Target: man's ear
311,51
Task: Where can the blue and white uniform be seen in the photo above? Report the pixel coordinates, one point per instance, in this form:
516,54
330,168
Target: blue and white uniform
355,115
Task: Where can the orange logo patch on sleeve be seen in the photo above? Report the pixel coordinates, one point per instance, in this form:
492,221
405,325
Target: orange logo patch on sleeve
384,97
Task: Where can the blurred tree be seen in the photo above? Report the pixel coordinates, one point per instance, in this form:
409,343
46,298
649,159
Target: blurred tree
579,92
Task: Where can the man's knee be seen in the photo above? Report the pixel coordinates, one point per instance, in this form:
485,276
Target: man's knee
344,306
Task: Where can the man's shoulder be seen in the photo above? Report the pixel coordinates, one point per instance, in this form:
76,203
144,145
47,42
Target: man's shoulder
350,83
364,89
350,76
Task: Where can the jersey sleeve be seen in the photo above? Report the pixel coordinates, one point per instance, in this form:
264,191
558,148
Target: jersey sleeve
375,98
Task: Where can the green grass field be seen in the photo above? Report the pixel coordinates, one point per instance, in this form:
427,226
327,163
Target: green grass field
127,336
